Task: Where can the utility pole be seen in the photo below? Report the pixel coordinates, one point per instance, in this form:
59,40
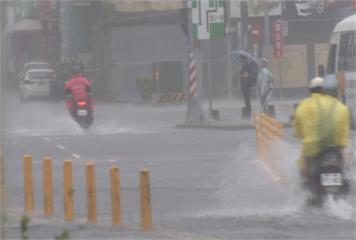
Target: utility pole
210,83
266,24
65,13
194,109
244,24
228,48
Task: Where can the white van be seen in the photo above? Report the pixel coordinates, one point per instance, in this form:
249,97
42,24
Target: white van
342,61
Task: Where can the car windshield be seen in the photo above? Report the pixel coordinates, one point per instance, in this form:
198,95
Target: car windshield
40,74
38,66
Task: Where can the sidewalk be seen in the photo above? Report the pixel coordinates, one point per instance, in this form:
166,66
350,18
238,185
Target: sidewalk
231,117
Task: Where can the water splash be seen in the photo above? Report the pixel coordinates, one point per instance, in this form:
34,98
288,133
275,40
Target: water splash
112,128
63,125
341,208
246,188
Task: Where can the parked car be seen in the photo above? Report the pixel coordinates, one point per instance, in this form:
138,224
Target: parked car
37,82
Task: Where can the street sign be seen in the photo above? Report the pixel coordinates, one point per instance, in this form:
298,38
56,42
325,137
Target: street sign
278,43
208,19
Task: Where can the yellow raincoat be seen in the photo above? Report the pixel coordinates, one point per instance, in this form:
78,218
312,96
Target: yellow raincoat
321,120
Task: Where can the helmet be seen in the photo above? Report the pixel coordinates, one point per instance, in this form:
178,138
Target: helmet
317,82
330,85
76,69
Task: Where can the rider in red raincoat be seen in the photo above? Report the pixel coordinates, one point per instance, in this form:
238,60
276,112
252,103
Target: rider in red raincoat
77,89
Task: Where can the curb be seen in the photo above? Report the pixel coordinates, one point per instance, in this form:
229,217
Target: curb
222,126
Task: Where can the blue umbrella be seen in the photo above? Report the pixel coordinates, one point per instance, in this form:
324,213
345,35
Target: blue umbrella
236,56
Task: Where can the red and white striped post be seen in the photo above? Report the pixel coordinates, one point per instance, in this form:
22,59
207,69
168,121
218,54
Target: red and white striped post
192,76
194,107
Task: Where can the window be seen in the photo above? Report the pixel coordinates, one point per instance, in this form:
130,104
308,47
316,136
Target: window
347,52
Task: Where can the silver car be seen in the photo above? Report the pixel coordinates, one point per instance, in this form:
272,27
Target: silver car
37,82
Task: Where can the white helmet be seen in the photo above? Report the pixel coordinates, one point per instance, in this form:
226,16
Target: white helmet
316,82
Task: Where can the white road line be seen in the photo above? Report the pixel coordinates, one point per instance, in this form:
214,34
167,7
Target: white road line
76,155
61,147
47,139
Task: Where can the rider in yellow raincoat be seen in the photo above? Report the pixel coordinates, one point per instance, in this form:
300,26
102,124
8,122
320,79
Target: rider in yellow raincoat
320,120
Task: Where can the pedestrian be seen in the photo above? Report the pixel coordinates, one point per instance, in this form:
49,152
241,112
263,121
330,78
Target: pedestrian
264,85
248,78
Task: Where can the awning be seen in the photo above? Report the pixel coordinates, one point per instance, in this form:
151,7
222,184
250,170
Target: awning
26,25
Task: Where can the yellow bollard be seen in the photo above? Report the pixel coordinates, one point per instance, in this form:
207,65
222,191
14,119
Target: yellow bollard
91,192
28,183
146,212
2,194
68,189
115,195
257,128
47,186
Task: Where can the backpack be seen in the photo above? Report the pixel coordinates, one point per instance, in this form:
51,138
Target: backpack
253,74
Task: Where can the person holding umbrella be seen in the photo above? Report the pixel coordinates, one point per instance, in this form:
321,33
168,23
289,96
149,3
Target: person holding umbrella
248,78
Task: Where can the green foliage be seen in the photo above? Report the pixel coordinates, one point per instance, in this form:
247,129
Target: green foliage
63,236
24,224
25,221
146,86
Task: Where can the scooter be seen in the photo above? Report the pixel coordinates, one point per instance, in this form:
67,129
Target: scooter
82,112
327,177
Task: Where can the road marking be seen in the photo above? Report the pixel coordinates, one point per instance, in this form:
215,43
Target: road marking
47,139
76,155
61,147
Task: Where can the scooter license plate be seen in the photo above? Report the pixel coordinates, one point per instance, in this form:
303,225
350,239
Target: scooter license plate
331,179
82,112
